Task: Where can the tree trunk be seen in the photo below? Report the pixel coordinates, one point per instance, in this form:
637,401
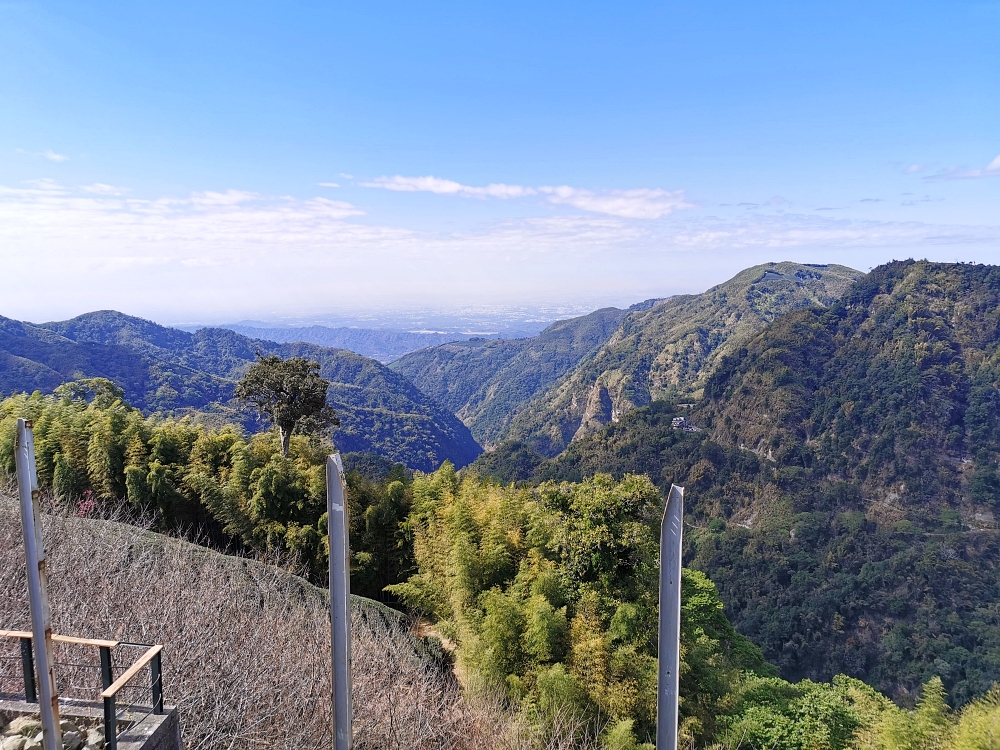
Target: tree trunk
286,437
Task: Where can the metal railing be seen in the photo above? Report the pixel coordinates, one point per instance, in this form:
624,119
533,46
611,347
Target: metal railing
111,688
151,657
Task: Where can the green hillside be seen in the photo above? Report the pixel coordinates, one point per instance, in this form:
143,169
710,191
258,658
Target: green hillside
167,370
843,489
37,358
670,350
487,382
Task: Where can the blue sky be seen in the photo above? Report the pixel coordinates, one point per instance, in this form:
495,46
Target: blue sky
210,160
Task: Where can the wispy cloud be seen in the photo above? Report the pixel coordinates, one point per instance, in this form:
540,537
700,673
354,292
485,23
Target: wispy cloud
431,184
639,203
954,173
915,169
100,188
328,184
228,198
232,251
46,154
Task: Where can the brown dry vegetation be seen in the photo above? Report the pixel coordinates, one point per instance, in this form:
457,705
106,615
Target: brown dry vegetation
247,645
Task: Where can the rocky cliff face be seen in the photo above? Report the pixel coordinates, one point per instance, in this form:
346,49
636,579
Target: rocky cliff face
669,350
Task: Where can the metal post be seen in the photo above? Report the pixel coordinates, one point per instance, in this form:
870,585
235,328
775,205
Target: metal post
28,667
668,686
34,551
340,600
107,677
110,724
156,678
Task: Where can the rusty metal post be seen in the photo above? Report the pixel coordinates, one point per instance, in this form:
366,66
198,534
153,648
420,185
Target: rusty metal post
340,600
668,677
34,552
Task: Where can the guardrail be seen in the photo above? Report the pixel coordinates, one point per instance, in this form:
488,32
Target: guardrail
151,658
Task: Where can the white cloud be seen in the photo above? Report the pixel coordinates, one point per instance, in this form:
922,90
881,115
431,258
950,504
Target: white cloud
100,188
990,170
328,184
431,184
500,190
47,154
428,184
347,176
639,203
914,168
228,198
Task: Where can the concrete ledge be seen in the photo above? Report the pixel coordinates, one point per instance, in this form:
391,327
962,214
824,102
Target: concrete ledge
153,732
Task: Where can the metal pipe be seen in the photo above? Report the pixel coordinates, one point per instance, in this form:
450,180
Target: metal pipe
34,550
340,599
668,675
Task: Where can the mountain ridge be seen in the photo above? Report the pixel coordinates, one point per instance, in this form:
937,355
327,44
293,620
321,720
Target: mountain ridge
169,370
669,349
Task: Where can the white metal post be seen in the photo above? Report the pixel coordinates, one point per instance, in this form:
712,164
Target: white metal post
340,600
668,677
34,552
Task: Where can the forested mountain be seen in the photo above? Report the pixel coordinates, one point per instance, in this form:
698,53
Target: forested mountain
669,351
385,346
487,382
38,358
168,370
843,489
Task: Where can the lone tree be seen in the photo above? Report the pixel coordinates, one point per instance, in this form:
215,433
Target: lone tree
289,393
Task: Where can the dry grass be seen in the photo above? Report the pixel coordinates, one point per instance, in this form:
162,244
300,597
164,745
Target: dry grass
247,645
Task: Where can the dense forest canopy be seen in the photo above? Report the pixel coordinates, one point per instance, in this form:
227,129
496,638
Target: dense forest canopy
549,593
843,486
